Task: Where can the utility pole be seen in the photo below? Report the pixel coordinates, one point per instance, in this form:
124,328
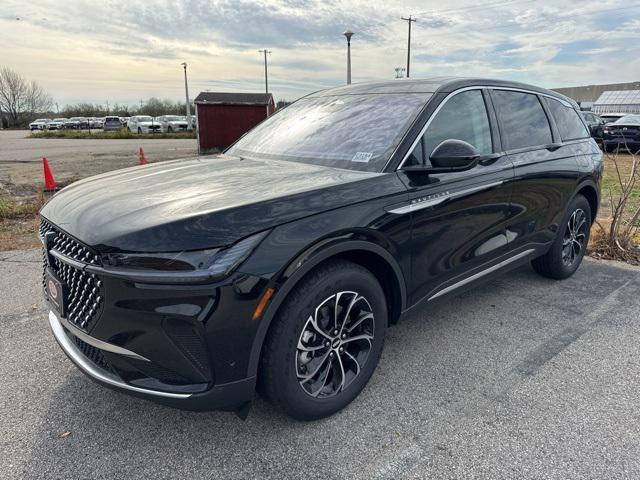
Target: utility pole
266,77
400,72
186,92
410,20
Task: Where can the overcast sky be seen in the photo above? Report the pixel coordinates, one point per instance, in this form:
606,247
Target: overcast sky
124,51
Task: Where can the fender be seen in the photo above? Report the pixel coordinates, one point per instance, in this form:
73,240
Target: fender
588,182
303,264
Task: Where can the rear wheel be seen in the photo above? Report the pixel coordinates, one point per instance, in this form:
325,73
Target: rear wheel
567,251
325,342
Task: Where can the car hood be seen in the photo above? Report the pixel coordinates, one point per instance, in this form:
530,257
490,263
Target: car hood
145,124
178,122
199,203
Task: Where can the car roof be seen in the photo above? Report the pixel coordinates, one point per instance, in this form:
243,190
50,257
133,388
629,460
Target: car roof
432,85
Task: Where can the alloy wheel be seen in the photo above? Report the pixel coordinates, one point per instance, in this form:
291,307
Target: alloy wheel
573,242
334,344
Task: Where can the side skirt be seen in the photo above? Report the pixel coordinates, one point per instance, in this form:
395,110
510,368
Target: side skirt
491,270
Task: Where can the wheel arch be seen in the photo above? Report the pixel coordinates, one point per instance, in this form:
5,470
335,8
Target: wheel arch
370,255
589,190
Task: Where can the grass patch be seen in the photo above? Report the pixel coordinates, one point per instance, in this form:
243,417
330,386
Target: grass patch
116,135
11,210
611,184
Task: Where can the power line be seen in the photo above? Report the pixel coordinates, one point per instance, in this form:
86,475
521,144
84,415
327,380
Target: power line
410,21
477,7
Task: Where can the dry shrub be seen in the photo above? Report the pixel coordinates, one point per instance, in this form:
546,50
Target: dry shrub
618,237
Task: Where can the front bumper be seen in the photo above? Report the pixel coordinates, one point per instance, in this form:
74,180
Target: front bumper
229,396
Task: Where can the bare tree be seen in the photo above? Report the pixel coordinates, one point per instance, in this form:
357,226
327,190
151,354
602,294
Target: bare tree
13,90
19,97
37,100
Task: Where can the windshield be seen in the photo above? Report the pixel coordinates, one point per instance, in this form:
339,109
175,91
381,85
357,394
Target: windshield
144,119
173,118
629,119
357,132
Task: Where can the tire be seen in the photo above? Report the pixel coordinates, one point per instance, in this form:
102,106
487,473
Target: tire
568,249
285,376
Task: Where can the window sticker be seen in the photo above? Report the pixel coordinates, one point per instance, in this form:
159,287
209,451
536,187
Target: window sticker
362,157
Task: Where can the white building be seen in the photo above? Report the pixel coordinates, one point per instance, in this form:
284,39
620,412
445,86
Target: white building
618,101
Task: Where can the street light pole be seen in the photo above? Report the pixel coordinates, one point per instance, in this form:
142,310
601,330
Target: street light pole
348,34
186,92
410,20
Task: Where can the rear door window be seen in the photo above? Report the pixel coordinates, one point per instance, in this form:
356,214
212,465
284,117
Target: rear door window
523,120
567,120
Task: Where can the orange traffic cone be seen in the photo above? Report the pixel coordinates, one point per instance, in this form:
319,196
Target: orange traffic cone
142,160
49,182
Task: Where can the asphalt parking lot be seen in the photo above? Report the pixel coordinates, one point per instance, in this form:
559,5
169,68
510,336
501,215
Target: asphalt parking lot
521,378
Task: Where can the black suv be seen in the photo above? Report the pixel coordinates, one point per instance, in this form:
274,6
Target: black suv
278,265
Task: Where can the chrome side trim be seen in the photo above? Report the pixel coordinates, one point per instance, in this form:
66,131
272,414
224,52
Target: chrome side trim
481,274
109,347
432,202
533,92
99,374
464,89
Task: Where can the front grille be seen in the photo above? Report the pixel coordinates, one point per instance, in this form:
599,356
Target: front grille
94,354
85,290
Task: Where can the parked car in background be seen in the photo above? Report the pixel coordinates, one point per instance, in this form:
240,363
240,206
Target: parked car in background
39,124
173,123
56,124
286,258
95,122
611,117
111,124
623,134
143,124
72,123
77,123
595,124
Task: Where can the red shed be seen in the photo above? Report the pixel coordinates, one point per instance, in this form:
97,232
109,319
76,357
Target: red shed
225,117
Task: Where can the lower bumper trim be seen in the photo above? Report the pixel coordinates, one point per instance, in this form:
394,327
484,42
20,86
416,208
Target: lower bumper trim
97,373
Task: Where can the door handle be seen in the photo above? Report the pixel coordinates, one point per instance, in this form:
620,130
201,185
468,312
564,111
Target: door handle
489,159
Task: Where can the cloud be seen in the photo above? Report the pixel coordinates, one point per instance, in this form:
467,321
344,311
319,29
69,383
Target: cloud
93,50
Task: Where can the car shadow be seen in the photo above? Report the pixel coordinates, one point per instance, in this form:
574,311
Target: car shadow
453,360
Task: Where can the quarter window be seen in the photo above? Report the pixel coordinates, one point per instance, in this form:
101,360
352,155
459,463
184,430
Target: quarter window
523,120
567,120
462,117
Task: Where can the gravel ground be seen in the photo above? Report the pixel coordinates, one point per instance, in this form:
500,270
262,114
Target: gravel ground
521,378
73,159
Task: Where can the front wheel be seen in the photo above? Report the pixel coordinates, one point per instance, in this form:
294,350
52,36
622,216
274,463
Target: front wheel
325,342
567,251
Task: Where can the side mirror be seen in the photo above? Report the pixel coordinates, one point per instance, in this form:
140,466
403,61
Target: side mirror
450,156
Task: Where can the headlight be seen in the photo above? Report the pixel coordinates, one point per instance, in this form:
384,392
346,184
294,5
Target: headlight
201,265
